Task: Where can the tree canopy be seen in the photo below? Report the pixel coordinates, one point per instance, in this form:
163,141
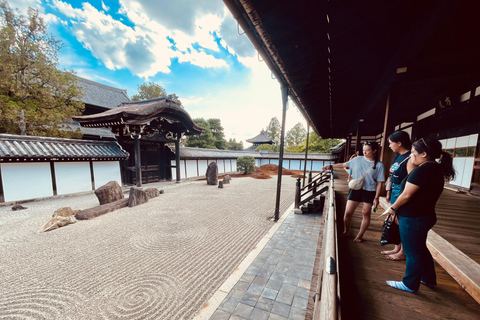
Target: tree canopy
274,130
318,145
234,145
294,138
35,97
149,90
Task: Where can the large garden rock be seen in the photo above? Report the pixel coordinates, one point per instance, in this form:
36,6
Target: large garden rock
137,196
109,192
212,174
94,212
226,179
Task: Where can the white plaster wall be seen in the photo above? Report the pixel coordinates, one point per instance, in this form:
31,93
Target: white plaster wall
221,166
317,166
72,177
106,171
459,165
192,168
26,180
174,170
234,165
295,164
202,167
472,140
274,161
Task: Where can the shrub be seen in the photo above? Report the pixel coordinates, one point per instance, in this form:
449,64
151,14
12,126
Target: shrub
246,164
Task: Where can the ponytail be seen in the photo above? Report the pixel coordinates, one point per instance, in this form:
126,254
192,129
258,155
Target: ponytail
446,162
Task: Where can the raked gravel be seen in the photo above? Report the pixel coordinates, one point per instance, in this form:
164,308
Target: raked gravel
161,260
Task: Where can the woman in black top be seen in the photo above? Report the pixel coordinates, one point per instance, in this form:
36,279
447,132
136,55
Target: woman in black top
415,208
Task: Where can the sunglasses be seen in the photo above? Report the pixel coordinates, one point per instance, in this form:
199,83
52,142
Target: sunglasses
426,145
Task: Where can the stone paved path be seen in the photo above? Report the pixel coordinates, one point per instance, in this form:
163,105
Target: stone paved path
161,260
277,284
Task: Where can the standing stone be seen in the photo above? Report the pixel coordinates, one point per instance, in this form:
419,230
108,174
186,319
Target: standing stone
220,184
226,179
109,192
137,197
212,174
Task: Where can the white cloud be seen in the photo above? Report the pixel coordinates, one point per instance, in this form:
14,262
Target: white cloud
104,7
143,49
245,110
23,5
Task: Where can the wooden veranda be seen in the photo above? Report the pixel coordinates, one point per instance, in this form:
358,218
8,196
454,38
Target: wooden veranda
363,270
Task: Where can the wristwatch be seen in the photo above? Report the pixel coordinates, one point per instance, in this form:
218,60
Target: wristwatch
393,208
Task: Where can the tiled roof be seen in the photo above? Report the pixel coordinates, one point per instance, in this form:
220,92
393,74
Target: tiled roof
165,114
101,95
14,147
261,138
339,147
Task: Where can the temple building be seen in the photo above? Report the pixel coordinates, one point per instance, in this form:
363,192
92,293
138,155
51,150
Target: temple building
261,138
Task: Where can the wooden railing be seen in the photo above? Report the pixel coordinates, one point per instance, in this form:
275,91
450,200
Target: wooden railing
316,186
327,293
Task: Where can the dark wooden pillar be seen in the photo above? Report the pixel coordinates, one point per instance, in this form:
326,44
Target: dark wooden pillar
358,143
161,161
123,163
306,155
138,163
347,148
177,156
2,193
280,160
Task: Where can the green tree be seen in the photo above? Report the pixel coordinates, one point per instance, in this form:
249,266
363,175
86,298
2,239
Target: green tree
246,164
295,137
205,140
234,145
149,90
274,130
217,132
318,145
265,146
35,97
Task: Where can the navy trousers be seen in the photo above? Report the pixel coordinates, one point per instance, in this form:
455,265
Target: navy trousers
419,264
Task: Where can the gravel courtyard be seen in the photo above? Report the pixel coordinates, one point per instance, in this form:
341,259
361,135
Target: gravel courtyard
160,260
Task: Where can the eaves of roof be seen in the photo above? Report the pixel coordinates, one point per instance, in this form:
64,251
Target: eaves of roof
29,148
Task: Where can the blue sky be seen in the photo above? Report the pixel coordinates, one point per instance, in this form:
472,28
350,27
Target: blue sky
190,47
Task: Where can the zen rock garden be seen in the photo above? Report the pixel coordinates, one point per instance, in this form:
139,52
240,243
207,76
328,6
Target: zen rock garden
212,176
110,197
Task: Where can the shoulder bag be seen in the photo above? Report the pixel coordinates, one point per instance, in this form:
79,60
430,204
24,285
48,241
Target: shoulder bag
357,184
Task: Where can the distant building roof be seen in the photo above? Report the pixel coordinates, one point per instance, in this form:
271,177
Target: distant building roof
339,147
101,95
262,138
16,148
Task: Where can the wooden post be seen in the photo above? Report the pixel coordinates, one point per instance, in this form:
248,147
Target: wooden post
280,160
138,160
358,143
297,194
306,154
177,156
386,130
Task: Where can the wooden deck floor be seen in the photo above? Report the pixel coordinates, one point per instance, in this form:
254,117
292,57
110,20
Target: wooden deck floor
364,270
